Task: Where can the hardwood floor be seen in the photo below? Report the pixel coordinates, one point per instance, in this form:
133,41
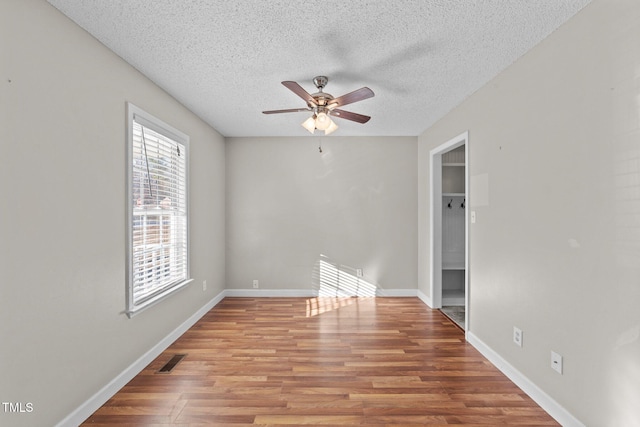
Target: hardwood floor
322,361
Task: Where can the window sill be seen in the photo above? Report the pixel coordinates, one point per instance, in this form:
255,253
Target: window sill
160,297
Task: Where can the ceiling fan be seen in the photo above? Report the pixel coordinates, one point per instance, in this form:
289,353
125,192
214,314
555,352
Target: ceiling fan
324,105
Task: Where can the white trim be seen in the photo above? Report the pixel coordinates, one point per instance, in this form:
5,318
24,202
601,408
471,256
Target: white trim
142,307
467,223
425,299
545,401
435,232
271,293
396,292
85,410
307,293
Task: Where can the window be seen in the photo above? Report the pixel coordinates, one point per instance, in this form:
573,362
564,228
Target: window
158,252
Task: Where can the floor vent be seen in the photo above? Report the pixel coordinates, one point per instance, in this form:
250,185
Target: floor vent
168,367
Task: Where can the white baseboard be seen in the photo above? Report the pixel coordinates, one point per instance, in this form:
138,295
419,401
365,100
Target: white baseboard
271,293
425,299
396,292
307,293
85,410
545,401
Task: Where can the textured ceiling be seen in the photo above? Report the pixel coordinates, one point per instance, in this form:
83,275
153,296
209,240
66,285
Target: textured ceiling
225,60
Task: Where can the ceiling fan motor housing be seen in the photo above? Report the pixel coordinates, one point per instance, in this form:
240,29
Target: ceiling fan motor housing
321,98
320,82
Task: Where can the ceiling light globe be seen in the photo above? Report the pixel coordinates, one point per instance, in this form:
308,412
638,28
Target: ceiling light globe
322,121
309,124
332,127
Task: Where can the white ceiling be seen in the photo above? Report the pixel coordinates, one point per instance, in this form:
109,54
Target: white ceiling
224,60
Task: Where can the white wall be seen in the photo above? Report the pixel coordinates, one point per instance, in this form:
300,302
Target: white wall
556,251
63,334
288,204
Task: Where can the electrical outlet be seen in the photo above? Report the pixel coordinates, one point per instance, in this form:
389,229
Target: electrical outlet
517,336
204,285
556,362
359,272
256,284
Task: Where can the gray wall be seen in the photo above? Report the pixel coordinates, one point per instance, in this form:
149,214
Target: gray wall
63,334
288,204
556,251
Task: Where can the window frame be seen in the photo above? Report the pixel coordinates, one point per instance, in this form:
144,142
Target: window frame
151,122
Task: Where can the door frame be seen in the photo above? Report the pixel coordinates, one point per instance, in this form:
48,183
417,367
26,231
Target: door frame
435,223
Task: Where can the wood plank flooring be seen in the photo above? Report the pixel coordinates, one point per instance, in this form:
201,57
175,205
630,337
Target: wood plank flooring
324,362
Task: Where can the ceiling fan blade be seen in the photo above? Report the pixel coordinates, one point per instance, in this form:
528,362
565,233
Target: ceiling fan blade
355,117
355,96
291,110
298,90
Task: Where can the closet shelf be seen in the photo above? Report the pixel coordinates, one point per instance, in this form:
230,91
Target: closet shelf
453,265
453,194
454,164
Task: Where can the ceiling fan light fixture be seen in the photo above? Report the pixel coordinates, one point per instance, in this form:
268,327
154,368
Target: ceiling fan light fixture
310,124
323,121
332,127
322,105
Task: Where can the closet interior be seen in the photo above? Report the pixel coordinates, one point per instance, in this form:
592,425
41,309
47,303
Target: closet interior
454,204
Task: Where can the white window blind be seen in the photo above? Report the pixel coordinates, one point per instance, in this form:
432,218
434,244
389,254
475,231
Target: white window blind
158,222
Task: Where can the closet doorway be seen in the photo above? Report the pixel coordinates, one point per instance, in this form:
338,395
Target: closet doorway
449,282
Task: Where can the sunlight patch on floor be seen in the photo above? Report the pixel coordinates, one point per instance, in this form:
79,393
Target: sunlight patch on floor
316,306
